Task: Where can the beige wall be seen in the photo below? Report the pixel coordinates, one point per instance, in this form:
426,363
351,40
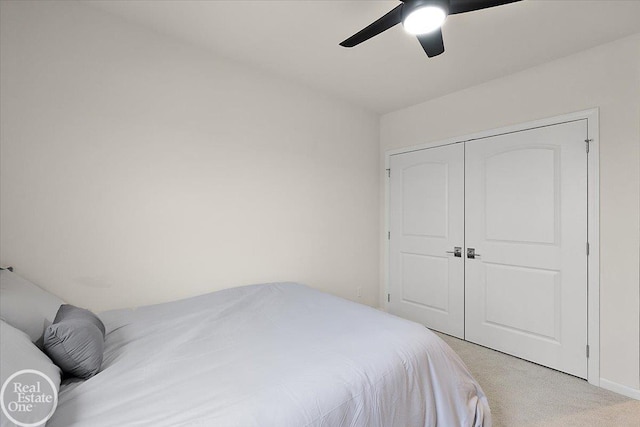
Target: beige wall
136,169
607,77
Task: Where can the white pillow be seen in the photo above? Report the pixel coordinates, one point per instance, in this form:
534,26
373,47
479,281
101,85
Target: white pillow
17,353
26,306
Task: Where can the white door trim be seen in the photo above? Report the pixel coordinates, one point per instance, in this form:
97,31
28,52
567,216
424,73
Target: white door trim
593,229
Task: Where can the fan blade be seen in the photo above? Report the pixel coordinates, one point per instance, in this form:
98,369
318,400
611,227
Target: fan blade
387,21
462,6
432,43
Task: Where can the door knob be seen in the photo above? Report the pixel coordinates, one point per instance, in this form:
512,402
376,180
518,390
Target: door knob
457,252
471,253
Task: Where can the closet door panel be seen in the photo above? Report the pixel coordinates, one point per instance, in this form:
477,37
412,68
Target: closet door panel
426,222
526,217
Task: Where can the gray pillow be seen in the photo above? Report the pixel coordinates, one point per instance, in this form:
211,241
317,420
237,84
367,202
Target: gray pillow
26,306
17,352
75,341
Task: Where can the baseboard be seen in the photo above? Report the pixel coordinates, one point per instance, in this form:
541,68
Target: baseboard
620,389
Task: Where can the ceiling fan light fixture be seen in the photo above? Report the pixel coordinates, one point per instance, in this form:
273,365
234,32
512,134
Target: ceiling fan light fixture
423,20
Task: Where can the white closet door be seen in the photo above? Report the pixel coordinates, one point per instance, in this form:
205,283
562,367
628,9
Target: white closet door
426,220
526,215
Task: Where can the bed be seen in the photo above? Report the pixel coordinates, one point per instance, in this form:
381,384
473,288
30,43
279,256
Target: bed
271,355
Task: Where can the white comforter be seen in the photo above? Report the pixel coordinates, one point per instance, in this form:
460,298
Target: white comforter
271,355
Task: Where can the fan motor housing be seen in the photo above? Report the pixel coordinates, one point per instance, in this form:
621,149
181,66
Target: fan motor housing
412,5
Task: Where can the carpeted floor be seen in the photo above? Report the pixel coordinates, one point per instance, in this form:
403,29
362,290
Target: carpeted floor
523,394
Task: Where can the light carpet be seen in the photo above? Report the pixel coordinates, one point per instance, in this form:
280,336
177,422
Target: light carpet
523,394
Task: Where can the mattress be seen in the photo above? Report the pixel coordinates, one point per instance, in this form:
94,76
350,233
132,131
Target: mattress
277,354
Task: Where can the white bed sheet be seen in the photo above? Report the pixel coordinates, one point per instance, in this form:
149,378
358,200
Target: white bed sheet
271,355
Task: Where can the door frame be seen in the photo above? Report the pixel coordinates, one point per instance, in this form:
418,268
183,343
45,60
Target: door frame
593,215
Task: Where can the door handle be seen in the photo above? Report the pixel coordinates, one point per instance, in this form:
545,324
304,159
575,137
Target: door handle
471,253
457,252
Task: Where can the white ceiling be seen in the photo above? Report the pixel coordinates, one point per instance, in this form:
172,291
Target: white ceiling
298,40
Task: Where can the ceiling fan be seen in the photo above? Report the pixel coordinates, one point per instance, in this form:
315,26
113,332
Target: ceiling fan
423,18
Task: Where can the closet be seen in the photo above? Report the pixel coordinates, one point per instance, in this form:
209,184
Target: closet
488,242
